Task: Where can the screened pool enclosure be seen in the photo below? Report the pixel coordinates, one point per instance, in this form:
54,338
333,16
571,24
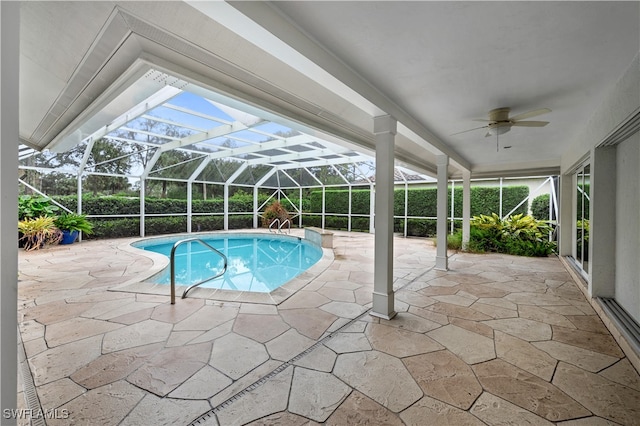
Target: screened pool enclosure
185,142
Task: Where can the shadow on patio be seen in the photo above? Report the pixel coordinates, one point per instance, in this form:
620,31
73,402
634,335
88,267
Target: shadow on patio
496,340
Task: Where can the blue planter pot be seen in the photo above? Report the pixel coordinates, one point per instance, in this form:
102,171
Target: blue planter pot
69,237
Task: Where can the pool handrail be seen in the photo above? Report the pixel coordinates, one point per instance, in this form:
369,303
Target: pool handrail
280,224
173,267
286,221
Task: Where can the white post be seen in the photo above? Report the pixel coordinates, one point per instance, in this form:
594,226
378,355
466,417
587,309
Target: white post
372,208
226,207
9,134
79,198
300,212
323,206
442,260
349,216
142,191
567,215
406,207
500,207
453,209
189,207
384,128
255,207
466,209
601,257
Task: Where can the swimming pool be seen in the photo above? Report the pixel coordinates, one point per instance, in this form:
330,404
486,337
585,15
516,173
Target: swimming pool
256,262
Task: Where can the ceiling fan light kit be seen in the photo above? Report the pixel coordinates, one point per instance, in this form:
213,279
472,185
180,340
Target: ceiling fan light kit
500,123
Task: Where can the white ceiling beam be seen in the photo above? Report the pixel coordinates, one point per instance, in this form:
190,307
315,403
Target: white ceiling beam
297,156
158,98
216,132
275,144
261,24
319,163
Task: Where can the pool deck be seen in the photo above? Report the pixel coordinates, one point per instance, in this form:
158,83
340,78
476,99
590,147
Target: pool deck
496,340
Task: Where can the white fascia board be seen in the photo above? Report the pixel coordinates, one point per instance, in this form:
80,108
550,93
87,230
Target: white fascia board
243,24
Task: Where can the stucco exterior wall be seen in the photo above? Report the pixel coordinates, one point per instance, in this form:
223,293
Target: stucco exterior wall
627,282
616,242
617,105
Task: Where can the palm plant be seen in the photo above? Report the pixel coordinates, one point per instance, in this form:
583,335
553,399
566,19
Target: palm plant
36,232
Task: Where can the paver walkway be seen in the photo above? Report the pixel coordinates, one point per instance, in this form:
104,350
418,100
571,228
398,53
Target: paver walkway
496,340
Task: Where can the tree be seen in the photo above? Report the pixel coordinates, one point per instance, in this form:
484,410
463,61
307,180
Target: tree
111,157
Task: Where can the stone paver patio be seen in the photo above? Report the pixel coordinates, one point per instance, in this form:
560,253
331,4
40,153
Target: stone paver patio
497,340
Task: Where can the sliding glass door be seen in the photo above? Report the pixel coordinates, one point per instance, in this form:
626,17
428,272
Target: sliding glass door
583,186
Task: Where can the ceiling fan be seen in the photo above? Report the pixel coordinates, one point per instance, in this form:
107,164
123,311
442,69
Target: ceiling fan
499,121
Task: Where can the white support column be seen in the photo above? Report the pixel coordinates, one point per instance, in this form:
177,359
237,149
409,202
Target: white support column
466,209
453,205
442,260
349,210
384,128
255,207
300,203
602,223
567,215
9,135
500,202
142,191
189,206
323,205
226,207
372,208
406,207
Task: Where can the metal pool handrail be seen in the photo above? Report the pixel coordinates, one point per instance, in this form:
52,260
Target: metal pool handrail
280,224
173,267
284,222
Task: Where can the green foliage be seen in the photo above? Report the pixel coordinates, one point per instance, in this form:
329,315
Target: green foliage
117,228
518,235
423,201
360,224
74,222
38,231
540,207
32,207
454,241
421,227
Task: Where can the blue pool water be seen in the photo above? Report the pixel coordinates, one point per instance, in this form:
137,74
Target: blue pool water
256,262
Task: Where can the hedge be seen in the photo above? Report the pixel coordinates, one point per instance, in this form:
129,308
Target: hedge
337,222
540,207
424,202
130,227
113,205
421,202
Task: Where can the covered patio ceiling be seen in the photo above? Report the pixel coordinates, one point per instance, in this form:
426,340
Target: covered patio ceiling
325,69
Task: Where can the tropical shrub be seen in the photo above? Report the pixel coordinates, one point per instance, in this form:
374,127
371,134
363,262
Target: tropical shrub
518,235
38,231
33,207
540,207
74,222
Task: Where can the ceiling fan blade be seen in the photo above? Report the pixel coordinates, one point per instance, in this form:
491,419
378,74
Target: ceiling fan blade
482,120
530,123
469,130
530,114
